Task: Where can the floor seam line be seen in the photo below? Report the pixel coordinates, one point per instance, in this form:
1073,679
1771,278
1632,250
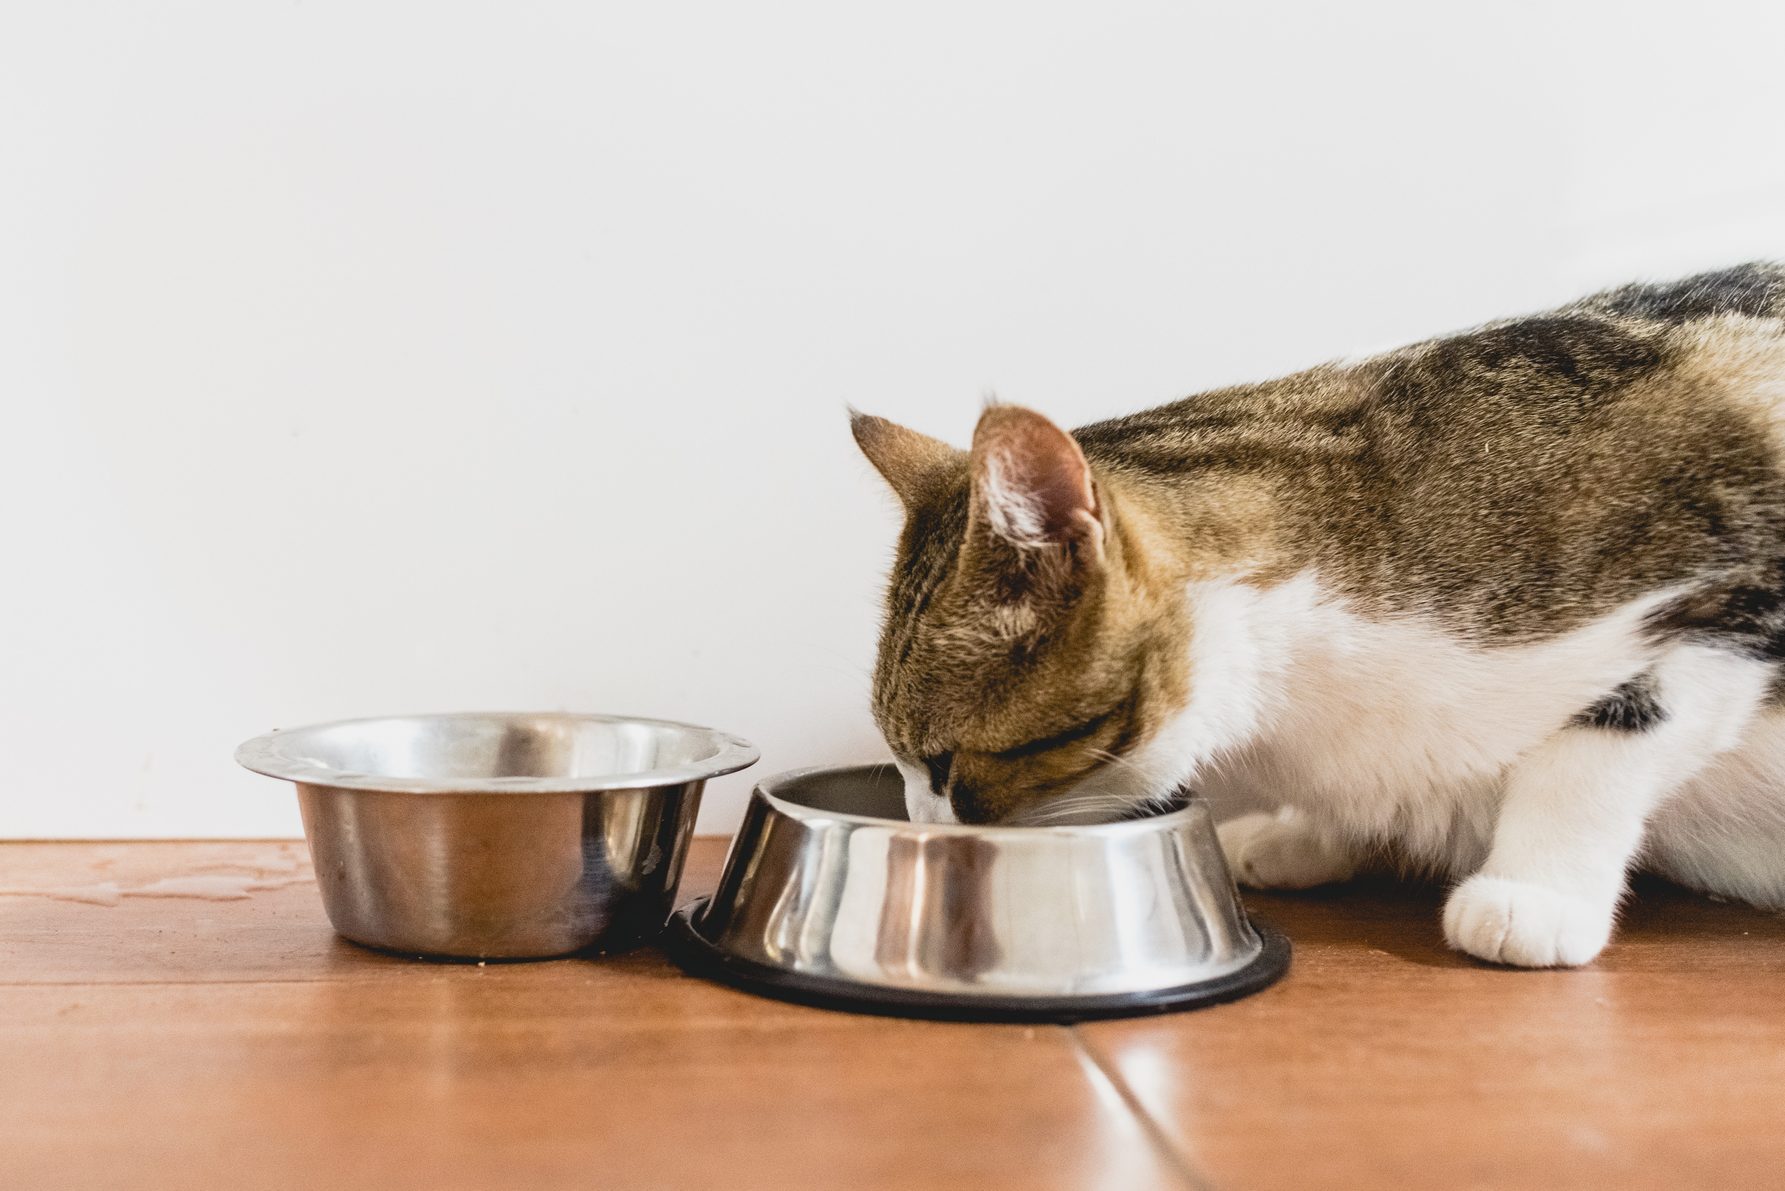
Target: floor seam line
1155,1134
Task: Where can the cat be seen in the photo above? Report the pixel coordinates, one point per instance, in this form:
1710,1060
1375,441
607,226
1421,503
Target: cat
1505,607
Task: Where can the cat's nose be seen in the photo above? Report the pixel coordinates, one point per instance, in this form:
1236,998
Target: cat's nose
967,805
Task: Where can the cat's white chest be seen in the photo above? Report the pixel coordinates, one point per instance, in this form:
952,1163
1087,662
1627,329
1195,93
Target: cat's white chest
1389,729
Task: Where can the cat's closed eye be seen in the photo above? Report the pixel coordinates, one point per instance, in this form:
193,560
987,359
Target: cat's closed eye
1061,738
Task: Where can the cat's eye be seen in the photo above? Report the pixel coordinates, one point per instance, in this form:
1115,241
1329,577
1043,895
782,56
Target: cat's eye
1072,735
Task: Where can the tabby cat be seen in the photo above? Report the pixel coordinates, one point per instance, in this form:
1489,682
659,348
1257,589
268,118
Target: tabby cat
1507,607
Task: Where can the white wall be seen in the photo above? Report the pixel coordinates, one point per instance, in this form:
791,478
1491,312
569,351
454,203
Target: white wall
364,358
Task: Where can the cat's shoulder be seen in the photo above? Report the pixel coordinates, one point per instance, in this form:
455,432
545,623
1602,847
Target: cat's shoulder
1569,360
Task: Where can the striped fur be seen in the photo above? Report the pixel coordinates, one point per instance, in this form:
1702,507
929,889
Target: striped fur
1575,518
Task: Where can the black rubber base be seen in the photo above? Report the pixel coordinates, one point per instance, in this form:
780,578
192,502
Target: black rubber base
699,957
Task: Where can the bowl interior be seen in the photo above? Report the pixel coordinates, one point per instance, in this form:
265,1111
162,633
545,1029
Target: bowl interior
474,752
878,792
874,792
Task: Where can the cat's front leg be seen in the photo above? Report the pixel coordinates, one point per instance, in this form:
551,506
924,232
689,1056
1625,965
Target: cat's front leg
1284,850
1573,812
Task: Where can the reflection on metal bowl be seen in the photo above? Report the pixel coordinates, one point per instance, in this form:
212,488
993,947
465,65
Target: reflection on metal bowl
831,896
493,836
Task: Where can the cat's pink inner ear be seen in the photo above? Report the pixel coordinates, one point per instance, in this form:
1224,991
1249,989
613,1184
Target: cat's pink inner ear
1032,481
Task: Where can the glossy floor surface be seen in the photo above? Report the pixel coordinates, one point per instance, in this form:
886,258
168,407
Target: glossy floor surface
179,1015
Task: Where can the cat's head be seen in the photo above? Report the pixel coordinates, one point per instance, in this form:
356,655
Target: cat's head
1033,651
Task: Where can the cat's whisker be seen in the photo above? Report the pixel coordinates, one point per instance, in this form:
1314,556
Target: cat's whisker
1110,758
1102,806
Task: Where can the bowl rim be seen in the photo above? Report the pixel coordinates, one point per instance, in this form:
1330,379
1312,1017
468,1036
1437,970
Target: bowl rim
263,754
1193,806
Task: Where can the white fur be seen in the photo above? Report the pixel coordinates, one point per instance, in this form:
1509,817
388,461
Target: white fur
1524,923
1013,512
1281,851
1724,832
1573,814
922,804
1460,758
1237,655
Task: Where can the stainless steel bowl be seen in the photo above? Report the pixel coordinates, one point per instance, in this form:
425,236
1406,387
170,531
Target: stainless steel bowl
831,896
498,835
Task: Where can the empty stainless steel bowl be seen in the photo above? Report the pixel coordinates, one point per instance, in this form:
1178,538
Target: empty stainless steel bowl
831,896
498,835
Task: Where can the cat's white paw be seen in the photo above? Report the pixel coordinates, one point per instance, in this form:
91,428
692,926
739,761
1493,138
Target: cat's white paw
1281,852
1526,925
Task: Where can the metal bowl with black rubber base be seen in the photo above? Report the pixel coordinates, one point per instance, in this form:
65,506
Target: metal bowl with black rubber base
831,897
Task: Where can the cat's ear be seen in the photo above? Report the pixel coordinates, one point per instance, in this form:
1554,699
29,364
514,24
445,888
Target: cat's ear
1032,486
909,461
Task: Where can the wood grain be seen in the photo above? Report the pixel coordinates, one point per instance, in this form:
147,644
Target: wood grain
1386,1060
239,1044
181,1041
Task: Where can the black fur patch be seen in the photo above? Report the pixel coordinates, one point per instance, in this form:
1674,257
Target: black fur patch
1755,290
939,765
1746,614
1633,707
1581,353
1580,350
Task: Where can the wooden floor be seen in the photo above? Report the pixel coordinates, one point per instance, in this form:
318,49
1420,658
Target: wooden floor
180,1015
